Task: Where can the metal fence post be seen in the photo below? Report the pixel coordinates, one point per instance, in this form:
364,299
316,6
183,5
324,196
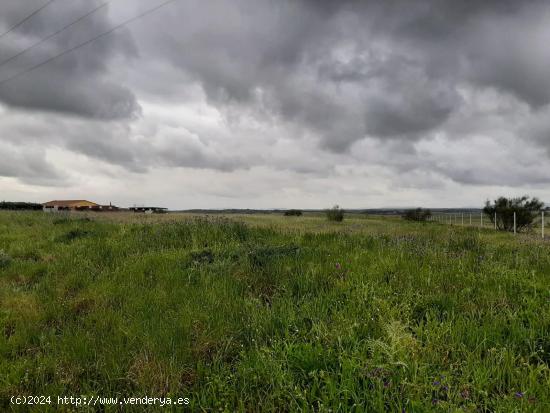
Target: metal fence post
481,219
462,218
495,221
470,218
514,223
542,230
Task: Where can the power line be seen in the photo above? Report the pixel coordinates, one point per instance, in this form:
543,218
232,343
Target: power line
26,18
15,56
93,39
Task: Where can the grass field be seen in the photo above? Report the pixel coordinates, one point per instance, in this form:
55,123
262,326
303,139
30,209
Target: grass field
267,313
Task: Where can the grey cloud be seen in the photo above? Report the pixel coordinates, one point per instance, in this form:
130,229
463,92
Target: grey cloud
294,56
341,69
516,176
537,128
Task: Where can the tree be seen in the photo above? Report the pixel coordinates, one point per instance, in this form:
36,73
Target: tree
335,214
526,211
417,214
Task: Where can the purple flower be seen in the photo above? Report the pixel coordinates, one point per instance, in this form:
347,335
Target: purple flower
436,383
435,401
338,266
519,394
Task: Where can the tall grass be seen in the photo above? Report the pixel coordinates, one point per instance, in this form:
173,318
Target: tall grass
371,315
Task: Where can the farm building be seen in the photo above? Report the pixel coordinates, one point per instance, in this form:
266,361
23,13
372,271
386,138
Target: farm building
76,205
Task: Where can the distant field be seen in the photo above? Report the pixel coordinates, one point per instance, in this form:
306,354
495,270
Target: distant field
271,313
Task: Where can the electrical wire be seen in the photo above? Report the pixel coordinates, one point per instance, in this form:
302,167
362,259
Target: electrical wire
15,56
26,18
93,39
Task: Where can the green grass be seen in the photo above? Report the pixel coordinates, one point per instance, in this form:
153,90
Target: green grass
265,313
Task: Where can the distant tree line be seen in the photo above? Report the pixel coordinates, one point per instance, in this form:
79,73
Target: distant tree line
18,206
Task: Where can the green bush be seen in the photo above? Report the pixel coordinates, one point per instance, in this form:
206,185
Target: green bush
335,214
526,211
293,213
417,214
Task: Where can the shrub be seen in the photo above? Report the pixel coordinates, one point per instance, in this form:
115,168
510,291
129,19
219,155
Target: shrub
335,214
417,214
526,210
293,213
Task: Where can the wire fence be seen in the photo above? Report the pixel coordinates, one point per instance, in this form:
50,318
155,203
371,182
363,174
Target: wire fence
484,221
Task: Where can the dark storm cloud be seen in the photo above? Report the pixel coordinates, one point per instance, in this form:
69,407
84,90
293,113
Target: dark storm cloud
77,83
336,72
347,70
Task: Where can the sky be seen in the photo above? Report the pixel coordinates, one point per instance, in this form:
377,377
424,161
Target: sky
276,103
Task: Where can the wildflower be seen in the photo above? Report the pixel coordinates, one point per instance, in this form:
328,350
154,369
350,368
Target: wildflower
338,266
436,383
519,394
435,401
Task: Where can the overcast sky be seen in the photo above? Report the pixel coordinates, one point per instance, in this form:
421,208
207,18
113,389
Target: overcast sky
277,103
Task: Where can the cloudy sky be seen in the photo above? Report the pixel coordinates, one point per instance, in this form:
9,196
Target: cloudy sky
277,103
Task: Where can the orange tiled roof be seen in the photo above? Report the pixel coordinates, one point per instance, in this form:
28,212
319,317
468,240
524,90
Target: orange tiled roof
69,203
